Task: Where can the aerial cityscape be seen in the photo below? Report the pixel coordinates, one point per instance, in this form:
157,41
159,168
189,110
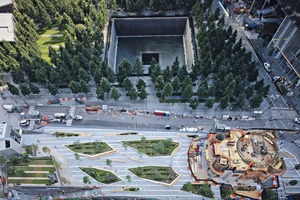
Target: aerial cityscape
150,99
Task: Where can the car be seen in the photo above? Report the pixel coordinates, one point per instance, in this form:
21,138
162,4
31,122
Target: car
77,117
168,127
267,67
297,120
24,122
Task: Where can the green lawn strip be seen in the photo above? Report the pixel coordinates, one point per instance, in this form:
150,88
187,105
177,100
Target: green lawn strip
40,162
24,168
200,189
90,148
102,176
45,41
29,181
29,175
156,173
154,147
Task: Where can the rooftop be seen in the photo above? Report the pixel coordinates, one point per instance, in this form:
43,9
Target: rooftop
5,2
7,27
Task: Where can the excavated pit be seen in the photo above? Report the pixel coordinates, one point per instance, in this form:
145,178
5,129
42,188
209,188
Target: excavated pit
163,38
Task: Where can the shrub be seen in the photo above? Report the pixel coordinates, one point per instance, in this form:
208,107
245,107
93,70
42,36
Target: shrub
293,182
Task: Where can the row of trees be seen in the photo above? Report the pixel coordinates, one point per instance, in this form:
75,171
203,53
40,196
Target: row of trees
72,64
155,5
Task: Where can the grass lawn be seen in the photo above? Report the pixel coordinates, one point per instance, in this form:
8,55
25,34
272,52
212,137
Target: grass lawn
20,170
48,38
65,134
156,173
90,148
27,181
153,147
102,176
200,189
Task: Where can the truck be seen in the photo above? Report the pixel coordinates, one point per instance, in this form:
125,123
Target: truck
9,108
279,83
222,127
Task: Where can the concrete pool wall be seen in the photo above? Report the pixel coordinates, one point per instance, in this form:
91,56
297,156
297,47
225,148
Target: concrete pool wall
170,37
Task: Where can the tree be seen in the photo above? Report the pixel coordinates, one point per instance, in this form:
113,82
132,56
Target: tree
224,102
167,74
211,90
209,103
175,67
183,73
84,87
77,156
255,101
113,4
138,67
104,84
100,92
33,88
140,83
74,86
86,180
159,83
46,150
133,95
154,70
293,182
124,70
13,89
176,84
115,94
83,75
167,91
128,177
127,84
188,91
143,93
24,89
194,104
53,89
18,75
108,162
297,166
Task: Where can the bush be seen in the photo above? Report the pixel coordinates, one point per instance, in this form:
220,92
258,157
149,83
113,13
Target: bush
293,182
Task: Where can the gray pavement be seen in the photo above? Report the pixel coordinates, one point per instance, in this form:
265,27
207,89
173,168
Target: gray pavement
120,163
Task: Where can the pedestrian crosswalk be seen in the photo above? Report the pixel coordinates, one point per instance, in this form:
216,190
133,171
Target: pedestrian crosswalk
31,108
71,113
283,113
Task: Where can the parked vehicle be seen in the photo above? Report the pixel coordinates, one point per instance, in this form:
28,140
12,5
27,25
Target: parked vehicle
9,108
267,67
297,120
78,117
24,122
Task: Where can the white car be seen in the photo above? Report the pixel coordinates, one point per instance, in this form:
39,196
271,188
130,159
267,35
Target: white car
267,66
297,120
24,122
77,117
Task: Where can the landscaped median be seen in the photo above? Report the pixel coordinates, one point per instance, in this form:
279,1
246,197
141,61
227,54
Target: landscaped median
28,171
160,174
91,149
158,147
101,175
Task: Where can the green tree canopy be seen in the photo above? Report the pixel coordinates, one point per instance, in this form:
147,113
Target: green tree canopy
115,94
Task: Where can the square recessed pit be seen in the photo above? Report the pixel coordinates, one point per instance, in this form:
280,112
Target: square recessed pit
163,38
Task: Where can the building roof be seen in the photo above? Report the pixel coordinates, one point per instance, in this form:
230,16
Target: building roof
7,32
292,9
5,2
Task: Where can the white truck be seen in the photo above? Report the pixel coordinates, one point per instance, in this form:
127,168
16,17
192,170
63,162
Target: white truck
9,108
